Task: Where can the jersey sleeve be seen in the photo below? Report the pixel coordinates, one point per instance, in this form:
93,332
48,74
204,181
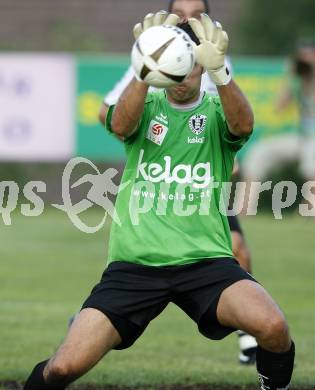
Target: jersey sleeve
233,142
142,123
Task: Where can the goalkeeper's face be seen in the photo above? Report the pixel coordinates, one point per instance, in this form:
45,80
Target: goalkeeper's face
188,8
188,91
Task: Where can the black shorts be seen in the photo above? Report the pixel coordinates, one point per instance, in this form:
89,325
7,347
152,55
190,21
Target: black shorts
235,224
131,295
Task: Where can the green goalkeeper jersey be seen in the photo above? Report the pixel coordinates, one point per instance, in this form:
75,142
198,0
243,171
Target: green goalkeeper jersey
169,209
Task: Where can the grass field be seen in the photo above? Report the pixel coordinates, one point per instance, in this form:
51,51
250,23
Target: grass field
48,267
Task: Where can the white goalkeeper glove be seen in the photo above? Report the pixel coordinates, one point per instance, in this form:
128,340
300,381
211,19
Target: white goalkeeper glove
158,19
212,49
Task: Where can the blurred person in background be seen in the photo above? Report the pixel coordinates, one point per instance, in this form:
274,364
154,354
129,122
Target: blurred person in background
186,9
301,89
279,150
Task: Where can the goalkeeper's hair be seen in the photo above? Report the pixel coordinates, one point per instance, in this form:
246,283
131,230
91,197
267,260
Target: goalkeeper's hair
185,26
205,2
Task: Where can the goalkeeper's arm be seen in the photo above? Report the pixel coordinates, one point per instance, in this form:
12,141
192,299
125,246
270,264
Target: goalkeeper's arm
129,109
211,55
112,97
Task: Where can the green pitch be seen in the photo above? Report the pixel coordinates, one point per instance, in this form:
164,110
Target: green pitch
48,267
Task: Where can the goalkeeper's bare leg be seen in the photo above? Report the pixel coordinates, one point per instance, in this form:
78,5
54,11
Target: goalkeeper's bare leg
90,337
247,306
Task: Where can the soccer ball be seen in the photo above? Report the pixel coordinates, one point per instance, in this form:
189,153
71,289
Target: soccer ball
163,56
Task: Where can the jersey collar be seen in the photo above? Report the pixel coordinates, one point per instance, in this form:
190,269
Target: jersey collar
186,107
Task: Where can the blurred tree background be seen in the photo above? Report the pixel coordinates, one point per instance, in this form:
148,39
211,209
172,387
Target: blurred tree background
273,27
256,27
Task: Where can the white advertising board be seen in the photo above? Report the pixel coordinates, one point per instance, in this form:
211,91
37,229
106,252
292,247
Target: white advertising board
37,95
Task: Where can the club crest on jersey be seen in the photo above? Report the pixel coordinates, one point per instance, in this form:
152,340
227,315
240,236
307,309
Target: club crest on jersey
197,123
156,132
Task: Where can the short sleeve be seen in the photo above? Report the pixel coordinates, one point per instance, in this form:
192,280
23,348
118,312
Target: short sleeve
232,141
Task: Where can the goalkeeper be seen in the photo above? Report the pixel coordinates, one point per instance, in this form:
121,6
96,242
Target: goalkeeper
147,271
186,9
